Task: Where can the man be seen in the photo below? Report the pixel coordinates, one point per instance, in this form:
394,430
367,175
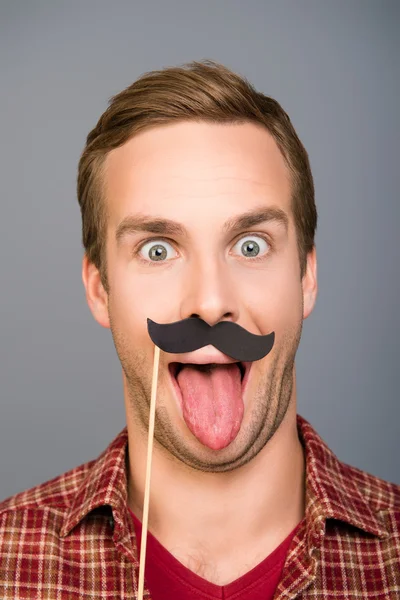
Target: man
197,202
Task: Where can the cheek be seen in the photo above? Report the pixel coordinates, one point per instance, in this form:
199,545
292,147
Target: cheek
277,299
127,306
145,291
134,298
289,312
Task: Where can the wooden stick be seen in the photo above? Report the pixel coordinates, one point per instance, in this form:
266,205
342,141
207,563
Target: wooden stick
148,472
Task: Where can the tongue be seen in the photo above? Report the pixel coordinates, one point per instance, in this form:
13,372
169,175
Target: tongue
212,403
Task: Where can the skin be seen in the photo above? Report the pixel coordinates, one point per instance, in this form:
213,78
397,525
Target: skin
200,175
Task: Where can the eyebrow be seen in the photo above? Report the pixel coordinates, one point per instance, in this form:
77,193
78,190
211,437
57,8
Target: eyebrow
135,223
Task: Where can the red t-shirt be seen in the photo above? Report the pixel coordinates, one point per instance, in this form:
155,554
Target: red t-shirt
168,579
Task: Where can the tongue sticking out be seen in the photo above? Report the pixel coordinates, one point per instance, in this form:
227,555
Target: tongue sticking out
212,403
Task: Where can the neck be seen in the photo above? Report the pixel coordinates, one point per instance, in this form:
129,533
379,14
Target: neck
259,503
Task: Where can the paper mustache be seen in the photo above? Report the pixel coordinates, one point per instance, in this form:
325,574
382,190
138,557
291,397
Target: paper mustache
194,333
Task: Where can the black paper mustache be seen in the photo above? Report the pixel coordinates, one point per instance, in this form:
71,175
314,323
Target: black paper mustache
194,333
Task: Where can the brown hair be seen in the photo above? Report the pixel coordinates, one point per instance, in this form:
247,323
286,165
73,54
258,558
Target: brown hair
197,91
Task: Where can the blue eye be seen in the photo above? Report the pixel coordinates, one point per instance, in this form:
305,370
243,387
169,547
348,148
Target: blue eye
252,246
155,250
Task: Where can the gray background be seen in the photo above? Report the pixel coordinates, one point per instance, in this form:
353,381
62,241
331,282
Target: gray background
333,65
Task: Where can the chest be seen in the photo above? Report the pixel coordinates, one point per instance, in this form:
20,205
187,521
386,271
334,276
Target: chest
84,566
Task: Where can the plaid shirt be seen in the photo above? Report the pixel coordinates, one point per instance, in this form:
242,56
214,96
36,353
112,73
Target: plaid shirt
72,537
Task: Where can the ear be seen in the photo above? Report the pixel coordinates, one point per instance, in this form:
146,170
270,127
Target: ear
309,283
96,296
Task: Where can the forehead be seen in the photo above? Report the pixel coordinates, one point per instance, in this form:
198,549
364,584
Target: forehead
195,166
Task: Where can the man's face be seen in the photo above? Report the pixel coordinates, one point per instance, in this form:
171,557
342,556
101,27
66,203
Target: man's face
201,177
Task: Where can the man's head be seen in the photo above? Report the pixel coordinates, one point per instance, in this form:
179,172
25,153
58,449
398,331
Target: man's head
197,200
199,91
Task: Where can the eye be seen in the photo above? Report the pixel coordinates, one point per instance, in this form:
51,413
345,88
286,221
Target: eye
156,250
252,246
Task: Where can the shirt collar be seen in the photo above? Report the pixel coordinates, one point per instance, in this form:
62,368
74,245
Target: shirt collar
332,489
105,484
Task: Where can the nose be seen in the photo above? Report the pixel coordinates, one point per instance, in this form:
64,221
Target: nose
210,294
